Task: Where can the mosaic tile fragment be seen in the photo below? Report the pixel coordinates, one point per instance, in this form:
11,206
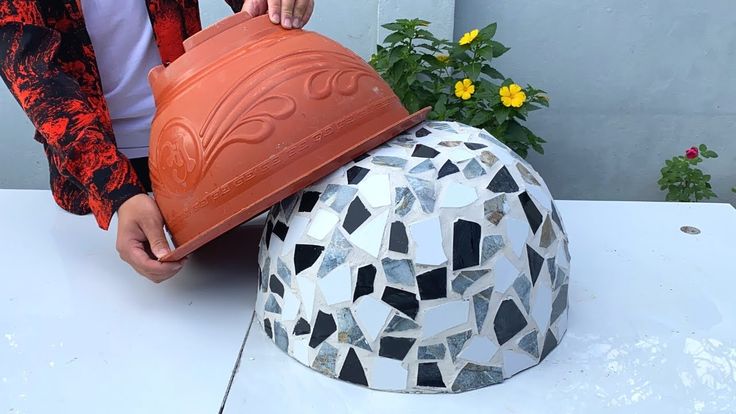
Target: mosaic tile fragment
556,217
404,201
550,342
473,170
388,374
280,230
536,261
305,255
427,236
495,208
474,376
348,330
302,327
398,241
388,161
515,362
371,315
429,375
326,360
324,327
399,324
445,316
308,201
422,167
288,205
508,321
448,168
352,369
269,233
491,245
291,306
432,352
542,304
487,158
423,151
272,305
283,271
307,291
424,191
560,303
337,197
401,300
503,182
532,212
267,328
399,272
433,284
505,274
465,244
523,287
552,270
481,301
457,195
530,344
376,190
422,132
548,234
517,232
466,279
456,342
526,174
355,174
357,215
369,236
337,251
475,146
322,224
280,336
364,281
335,286
395,347
276,286
478,349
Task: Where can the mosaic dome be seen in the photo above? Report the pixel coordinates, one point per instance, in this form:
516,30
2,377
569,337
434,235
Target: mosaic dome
434,263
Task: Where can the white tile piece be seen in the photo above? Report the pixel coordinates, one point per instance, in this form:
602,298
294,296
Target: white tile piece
322,224
479,349
427,234
542,303
371,315
300,350
515,362
517,231
459,154
275,247
388,374
560,326
457,195
307,289
376,190
291,306
503,155
443,317
369,236
505,274
541,195
335,286
297,226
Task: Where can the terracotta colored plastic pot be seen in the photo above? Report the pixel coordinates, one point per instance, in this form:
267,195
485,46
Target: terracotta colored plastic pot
252,113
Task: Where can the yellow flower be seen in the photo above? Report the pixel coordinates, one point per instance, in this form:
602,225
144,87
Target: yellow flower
469,37
512,95
465,89
443,58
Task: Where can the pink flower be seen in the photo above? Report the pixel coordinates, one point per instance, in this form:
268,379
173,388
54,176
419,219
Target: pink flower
692,153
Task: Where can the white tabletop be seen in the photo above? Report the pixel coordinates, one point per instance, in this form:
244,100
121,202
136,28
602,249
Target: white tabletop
80,332
652,324
652,329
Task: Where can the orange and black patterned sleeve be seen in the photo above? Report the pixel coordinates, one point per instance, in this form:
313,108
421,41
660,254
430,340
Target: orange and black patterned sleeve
74,136
236,5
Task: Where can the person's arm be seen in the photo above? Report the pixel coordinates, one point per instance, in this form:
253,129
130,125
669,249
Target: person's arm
60,111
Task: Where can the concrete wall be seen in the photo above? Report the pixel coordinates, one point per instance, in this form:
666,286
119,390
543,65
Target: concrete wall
631,82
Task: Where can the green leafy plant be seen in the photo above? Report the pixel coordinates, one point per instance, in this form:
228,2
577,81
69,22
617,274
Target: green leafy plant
683,180
458,81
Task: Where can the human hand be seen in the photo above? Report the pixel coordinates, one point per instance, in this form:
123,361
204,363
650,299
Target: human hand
141,240
289,13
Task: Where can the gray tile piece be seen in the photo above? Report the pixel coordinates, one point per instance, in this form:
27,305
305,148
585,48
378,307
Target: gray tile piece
280,336
495,208
348,330
336,253
561,277
560,304
338,196
388,161
473,170
485,135
456,342
552,269
526,174
491,245
434,352
265,273
326,359
404,141
271,305
548,233
465,279
451,144
399,271
474,376
288,205
442,126
530,344
404,201
480,305
399,324
284,272
424,166
523,287
424,191
488,158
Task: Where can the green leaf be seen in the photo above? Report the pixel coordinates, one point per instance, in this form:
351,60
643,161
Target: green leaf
490,30
473,71
481,118
498,48
392,26
486,52
703,148
394,38
492,73
502,115
397,53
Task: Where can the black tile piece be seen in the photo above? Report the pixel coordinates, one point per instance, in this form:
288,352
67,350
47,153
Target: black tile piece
352,369
465,244
552,269
508,321
503,182
356,174
535,263
398,241
324,326
280,230
364,283
448,168
433,284
395,348
275,210
361,157
269,233
305,255
429,375
302,327
423,151
357,215
556,216
309,200
401,300
475,146
267,328
276,286
422,133
532,212
550,342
